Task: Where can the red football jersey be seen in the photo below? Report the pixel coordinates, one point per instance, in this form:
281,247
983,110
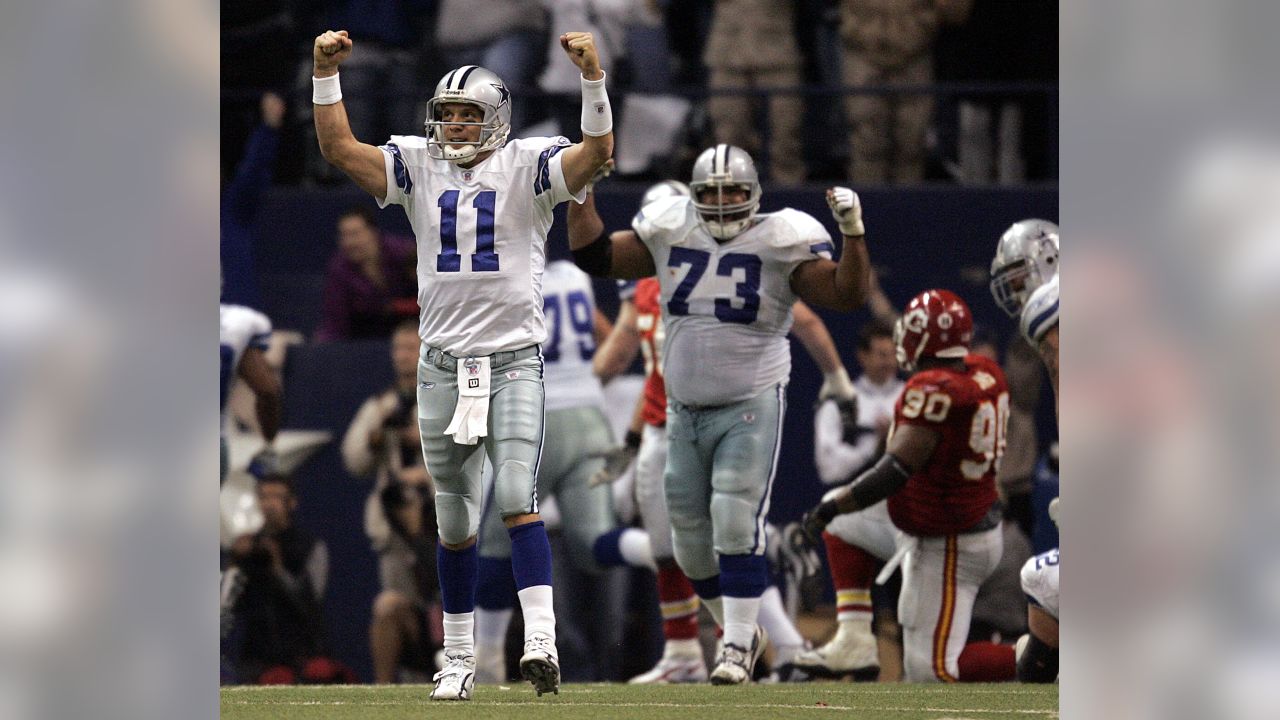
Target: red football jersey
969,409
649,322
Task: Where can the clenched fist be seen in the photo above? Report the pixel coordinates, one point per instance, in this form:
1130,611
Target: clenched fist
847,210
331,48
581,48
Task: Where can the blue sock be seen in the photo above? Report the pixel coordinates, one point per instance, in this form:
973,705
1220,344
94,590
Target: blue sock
608,549
496,589
457,570
707,588
744,576
530,555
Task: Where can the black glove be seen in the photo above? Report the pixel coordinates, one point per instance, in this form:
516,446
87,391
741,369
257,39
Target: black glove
848,419
816,520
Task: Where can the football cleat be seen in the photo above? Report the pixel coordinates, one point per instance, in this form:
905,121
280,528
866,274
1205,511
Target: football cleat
852,651
678,665
455,680
735,664
540,664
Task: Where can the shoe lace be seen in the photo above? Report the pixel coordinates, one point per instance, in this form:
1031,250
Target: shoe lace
455,665
541,643
734,654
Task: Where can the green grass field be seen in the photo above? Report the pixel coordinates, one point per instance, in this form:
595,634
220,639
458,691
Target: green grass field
673,702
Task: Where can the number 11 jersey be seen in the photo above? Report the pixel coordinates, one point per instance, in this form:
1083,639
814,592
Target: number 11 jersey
481,235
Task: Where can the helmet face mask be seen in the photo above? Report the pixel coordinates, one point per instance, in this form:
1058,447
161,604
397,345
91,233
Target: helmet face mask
1026,258
471,85
718,171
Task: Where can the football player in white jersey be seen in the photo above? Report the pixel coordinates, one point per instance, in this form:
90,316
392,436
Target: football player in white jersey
728,278
1024,282
243,334
480,206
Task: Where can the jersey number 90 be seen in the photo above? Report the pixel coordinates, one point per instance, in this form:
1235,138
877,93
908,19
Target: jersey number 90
986,431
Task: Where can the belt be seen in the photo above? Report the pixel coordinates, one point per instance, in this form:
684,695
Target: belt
445,361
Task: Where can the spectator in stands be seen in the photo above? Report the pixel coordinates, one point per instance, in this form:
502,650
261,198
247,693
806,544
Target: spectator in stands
399,517
371,283
507,39
891,42
239,204
285,569
752,45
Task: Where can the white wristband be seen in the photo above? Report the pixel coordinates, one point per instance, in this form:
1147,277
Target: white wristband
325,90
597,116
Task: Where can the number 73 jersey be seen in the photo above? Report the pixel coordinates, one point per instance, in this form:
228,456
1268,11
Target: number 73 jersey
726,306
969,410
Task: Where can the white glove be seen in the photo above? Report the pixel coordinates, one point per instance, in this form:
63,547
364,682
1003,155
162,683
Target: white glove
616,462
601,173
847,210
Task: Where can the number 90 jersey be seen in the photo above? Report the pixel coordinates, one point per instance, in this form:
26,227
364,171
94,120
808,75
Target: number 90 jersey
481,235
969,410
727,306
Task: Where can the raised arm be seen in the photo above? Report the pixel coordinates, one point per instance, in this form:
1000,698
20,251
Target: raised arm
262,380
363,163
619,349
581,160
618,255
844,285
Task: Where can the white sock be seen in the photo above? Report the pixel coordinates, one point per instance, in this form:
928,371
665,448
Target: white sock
491,631
633,545
740,620
787,641
715,606
539,615
459,631
683,648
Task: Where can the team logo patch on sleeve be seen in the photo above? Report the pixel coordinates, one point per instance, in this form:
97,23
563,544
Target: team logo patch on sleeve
403,181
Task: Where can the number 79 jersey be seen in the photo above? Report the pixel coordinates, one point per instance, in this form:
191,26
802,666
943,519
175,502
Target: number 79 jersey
727,306
969,410
481,235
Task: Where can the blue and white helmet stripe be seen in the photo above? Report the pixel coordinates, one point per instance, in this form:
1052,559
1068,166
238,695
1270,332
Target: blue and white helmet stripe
1040,314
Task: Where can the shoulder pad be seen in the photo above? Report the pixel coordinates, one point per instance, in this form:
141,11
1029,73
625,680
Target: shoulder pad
662,215
1040,314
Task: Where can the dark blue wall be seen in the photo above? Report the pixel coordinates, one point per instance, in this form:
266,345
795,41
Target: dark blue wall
918,238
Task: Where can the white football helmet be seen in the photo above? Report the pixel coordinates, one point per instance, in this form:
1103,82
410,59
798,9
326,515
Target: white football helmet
666,188
725,167
1026,258
477,86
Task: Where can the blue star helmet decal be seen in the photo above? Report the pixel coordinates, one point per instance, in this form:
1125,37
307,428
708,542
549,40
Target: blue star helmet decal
503,91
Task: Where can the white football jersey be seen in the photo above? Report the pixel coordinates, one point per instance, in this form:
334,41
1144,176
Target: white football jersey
482,235
570,309
1040,313
239,328
727,306
1040,580
837,461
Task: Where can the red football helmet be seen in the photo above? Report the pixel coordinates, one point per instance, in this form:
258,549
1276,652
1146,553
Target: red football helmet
936,323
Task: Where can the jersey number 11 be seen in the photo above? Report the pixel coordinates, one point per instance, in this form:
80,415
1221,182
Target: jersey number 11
484,259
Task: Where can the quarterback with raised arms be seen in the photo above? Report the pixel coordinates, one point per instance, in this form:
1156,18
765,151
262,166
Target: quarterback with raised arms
480,204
